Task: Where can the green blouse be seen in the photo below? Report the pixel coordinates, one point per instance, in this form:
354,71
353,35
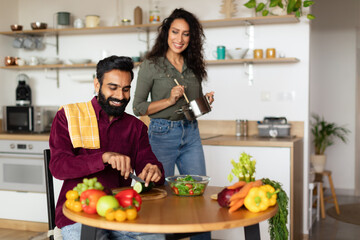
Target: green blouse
158,80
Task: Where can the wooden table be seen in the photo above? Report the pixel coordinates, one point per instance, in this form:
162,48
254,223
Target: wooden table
174,214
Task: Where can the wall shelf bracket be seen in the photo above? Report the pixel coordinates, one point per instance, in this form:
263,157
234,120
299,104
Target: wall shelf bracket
249,71
147,40
57,78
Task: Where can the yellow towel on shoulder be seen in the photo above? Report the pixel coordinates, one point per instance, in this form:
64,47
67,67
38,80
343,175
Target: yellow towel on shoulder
82,124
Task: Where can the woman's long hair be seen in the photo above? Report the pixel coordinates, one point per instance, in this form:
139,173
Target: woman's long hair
193,54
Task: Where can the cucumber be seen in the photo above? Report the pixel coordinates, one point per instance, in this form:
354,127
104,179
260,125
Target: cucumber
140,187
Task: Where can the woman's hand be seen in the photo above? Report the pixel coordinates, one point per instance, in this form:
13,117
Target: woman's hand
175,94
210,96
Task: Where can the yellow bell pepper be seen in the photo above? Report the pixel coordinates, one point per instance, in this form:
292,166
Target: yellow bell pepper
270,193
256,200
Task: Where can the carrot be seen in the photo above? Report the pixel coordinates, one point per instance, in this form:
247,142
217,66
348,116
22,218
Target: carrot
245,189
257,183
237,185
237,205
242,192
232,203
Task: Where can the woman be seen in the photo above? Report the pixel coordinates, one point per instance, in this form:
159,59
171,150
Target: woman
177,54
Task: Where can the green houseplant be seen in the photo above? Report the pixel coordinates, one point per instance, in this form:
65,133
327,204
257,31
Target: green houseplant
324,134
290,6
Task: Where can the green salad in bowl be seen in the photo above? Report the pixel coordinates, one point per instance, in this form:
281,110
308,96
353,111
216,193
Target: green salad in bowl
188,185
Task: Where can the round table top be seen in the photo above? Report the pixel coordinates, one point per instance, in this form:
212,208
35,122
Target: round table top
174,214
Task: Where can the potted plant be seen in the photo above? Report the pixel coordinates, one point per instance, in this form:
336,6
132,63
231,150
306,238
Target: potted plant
324,134
288,6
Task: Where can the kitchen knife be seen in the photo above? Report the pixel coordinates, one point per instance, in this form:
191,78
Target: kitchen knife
136,178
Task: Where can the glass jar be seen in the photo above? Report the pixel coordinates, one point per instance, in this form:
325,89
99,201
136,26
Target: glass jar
154,16
238,128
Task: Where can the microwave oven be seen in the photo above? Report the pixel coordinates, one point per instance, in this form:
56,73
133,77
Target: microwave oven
28,119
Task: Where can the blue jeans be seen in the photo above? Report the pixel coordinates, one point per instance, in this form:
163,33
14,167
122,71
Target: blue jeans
177,143
73,232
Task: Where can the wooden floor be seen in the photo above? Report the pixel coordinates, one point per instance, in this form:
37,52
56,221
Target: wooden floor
327,229
8,234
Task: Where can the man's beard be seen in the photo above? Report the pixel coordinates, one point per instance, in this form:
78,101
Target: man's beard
109,109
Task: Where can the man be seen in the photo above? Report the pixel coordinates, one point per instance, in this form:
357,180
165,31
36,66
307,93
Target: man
123,144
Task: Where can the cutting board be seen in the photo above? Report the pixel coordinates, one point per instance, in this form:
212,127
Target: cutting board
155,193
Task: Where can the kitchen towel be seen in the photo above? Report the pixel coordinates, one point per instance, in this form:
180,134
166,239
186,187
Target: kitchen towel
82,124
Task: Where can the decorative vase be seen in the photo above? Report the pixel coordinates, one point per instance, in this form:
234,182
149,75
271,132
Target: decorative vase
318,162
138,15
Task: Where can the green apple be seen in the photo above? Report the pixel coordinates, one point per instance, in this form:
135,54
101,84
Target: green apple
106,202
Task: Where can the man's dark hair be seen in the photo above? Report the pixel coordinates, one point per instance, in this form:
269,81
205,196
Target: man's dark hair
114,63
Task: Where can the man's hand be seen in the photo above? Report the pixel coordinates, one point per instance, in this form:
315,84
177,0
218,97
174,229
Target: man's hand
119,162
150,173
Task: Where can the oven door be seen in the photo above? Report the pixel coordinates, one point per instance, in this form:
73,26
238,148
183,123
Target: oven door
18,119
22,172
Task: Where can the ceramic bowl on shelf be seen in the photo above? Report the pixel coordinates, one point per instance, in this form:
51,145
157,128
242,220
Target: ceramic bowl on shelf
236,53
80,60
50,61
188,185
16,27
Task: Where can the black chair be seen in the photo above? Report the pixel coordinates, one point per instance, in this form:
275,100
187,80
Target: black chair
49,192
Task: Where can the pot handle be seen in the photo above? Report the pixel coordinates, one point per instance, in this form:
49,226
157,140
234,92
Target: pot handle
179,111
207,99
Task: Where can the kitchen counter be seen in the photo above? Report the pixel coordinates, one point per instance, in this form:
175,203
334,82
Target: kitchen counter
255,141
23,136
206,139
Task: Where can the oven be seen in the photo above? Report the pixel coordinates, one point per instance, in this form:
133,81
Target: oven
22,165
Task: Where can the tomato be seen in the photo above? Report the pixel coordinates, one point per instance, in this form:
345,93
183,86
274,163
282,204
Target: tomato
76,206
189,185
68,203
120,215
131,213
176,190
110,214
191,192
72,194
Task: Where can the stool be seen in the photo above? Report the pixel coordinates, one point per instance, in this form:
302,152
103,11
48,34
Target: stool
312,200
331,198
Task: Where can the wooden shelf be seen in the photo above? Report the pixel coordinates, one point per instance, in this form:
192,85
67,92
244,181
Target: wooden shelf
252,60
230,22
209,62
51,66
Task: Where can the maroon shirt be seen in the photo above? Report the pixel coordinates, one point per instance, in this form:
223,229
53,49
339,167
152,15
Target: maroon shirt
125,134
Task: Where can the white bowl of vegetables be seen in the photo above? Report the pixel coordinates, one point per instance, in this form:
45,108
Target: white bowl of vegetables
188,185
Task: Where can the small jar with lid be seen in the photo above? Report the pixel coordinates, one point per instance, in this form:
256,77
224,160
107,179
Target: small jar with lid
125,22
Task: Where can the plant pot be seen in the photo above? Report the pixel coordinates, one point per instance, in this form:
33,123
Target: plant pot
318,162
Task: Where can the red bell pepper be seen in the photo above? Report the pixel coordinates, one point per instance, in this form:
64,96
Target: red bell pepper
129,197
89,199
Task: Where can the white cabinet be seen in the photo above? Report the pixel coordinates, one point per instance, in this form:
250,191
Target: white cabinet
26,206
271,162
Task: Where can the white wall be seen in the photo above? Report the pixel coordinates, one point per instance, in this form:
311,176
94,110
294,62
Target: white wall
8,11
333,81
287,85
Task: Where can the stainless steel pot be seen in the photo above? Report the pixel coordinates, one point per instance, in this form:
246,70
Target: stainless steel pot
196,108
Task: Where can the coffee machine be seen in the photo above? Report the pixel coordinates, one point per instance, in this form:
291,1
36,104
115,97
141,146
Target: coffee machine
23,91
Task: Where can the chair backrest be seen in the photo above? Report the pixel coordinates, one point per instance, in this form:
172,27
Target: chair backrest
49,191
